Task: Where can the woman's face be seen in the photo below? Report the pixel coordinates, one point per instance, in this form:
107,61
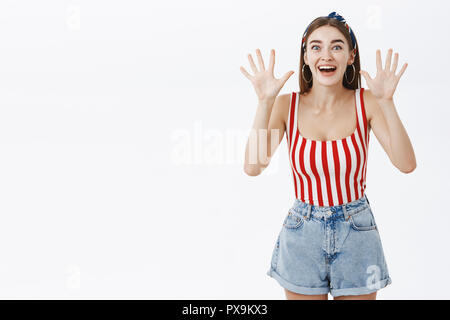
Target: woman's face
327,46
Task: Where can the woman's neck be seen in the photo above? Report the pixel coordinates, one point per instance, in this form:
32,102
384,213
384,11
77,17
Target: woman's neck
327,98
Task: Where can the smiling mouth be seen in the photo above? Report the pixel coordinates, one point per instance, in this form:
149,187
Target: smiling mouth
327,69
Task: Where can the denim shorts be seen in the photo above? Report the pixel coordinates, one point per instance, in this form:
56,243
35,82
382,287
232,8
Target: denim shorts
334,249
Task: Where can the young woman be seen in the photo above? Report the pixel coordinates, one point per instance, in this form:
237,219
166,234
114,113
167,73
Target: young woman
329,241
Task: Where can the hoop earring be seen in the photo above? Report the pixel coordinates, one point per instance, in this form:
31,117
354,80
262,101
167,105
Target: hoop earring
303,74
354,73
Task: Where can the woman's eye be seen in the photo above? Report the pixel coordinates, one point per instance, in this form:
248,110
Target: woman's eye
333,47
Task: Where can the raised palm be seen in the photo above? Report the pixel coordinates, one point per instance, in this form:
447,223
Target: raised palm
265,84
385,82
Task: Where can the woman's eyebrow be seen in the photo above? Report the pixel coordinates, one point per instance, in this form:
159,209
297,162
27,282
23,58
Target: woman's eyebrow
332,41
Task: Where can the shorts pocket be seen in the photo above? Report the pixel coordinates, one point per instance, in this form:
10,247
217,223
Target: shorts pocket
363,220
293,220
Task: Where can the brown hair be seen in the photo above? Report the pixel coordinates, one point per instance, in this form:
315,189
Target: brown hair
325,21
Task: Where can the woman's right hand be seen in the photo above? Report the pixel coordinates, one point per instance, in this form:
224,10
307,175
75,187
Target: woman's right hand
264,82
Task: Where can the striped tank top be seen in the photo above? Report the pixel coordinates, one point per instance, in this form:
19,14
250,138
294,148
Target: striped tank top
331,172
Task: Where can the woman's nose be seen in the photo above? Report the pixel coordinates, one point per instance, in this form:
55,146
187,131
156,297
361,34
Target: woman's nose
326,54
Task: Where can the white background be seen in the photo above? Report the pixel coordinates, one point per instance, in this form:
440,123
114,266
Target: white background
122,135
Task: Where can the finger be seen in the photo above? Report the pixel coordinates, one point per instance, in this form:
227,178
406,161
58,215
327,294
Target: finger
286,76
379,60
246,74
260,60
402,70
388,60
366,75
394,66
252,64
272,60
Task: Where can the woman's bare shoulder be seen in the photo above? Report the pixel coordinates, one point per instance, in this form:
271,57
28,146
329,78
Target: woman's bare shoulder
281,106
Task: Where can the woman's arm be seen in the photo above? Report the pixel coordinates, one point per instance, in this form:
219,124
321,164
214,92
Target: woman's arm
266,134
268,125
385,121
390,132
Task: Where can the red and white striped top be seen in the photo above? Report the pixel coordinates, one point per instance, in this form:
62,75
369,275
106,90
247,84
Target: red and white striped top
331,172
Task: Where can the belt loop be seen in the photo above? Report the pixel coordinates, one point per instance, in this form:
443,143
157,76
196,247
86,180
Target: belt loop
344,208
308,214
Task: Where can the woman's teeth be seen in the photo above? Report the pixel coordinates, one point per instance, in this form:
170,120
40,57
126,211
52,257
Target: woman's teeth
327,70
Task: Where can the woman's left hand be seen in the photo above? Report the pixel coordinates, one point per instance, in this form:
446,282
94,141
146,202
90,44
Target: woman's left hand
384,84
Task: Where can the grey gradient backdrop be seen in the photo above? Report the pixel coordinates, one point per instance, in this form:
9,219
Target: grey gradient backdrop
122,135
